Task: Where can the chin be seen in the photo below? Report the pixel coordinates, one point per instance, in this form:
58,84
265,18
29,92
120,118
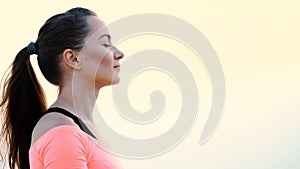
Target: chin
115,81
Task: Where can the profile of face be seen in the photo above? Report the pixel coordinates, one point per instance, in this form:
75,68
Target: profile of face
98,61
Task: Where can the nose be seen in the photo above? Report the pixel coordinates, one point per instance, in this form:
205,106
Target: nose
118,54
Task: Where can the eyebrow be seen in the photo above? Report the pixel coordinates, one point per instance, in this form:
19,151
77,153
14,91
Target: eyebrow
105,35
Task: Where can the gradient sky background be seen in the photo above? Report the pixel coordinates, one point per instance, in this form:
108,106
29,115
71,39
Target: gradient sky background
258,45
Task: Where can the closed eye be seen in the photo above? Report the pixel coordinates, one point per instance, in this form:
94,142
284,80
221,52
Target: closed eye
107,45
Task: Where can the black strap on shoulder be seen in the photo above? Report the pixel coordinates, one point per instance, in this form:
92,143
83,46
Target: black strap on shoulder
76,119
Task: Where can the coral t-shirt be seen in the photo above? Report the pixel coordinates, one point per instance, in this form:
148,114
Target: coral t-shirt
68,147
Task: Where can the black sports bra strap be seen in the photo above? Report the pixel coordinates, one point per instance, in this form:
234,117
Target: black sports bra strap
76,119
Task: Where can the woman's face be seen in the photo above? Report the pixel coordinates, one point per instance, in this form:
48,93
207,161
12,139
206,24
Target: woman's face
99,58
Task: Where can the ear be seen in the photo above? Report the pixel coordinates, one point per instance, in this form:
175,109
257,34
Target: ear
71,59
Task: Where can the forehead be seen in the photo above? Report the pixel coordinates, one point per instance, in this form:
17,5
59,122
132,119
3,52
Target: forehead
97,27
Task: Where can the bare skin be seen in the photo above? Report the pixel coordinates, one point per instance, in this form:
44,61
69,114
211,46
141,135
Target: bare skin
85,72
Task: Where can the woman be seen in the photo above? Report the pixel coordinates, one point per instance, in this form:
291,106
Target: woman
74,53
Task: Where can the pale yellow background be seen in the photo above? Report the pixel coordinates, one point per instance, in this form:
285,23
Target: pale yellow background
258,45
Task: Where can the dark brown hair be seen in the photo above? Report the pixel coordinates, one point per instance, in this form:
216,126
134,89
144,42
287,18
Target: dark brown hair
23,100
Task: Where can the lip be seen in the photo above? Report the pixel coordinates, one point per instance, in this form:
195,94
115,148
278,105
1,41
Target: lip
117,66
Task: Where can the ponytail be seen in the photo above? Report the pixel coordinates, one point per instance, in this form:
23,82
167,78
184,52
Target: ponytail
22,104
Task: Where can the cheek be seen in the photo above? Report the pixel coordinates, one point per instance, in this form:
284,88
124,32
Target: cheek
98,63
106,66
106,61
98,57
104,71
96,53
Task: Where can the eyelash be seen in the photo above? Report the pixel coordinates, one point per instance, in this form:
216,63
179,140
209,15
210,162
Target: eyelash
107,45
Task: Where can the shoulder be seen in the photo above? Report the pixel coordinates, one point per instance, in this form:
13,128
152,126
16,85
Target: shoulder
57,141
48,122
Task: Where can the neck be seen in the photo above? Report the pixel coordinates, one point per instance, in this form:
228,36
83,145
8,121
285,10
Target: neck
79,99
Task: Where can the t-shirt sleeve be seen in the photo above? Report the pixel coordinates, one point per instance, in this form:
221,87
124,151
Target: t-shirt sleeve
65,149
